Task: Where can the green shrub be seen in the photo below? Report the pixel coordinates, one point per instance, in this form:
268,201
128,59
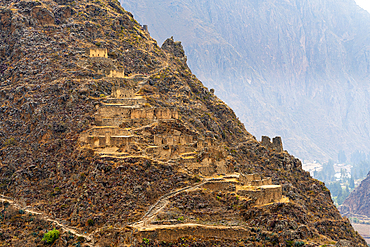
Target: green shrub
10,142
289,243
90,222
81,239
51,236
145,240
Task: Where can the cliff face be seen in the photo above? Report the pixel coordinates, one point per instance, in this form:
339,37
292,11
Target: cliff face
357,204
298,69
112,140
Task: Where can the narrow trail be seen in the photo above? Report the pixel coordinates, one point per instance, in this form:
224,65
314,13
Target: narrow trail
163,201
152,212
65,228
149,75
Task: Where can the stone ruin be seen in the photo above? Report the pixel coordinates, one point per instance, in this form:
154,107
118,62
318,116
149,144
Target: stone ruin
120,93
120,115
120,131
145,28
117,74
276,143
251,186
98,52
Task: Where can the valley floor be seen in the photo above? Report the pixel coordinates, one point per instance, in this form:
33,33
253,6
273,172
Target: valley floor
363,230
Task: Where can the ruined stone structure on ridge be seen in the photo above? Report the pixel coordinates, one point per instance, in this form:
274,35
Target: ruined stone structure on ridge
117,114
117,74
98,52
127,126
145,28
120,93
276,143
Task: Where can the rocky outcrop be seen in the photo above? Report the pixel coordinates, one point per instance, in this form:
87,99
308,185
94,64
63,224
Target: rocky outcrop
175,48
42,15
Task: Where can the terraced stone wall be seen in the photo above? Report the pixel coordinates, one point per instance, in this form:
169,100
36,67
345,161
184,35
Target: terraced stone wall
98,52
119,92
117,74
263,195
172,139
197,231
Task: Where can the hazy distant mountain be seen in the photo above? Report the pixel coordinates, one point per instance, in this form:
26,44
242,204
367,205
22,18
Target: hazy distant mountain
295,68
358,202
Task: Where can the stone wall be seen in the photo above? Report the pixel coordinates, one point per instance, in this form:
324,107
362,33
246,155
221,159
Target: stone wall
98,52
107,140
121,140
116,74
114,111
119,92
166,113
248,178
126,101
264,195
96,141
172,139
172,233
111,130
266,181
207,142
121,112
220,185
276,143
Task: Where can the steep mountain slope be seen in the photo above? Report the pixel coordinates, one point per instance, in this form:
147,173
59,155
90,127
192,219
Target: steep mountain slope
294,68
357,204
112,140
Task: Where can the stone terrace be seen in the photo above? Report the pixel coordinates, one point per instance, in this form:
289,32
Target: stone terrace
127,126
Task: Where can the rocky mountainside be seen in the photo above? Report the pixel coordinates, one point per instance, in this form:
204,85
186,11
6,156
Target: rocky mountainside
357,204
112,140
294,68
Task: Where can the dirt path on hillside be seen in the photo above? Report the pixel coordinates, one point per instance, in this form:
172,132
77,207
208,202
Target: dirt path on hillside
30,210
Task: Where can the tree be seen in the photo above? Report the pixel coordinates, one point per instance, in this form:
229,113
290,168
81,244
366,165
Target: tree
343,174
358,157
334,188
352,183
51,236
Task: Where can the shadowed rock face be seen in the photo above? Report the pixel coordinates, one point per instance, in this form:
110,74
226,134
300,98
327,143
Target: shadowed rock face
296,68
175,48
358,202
